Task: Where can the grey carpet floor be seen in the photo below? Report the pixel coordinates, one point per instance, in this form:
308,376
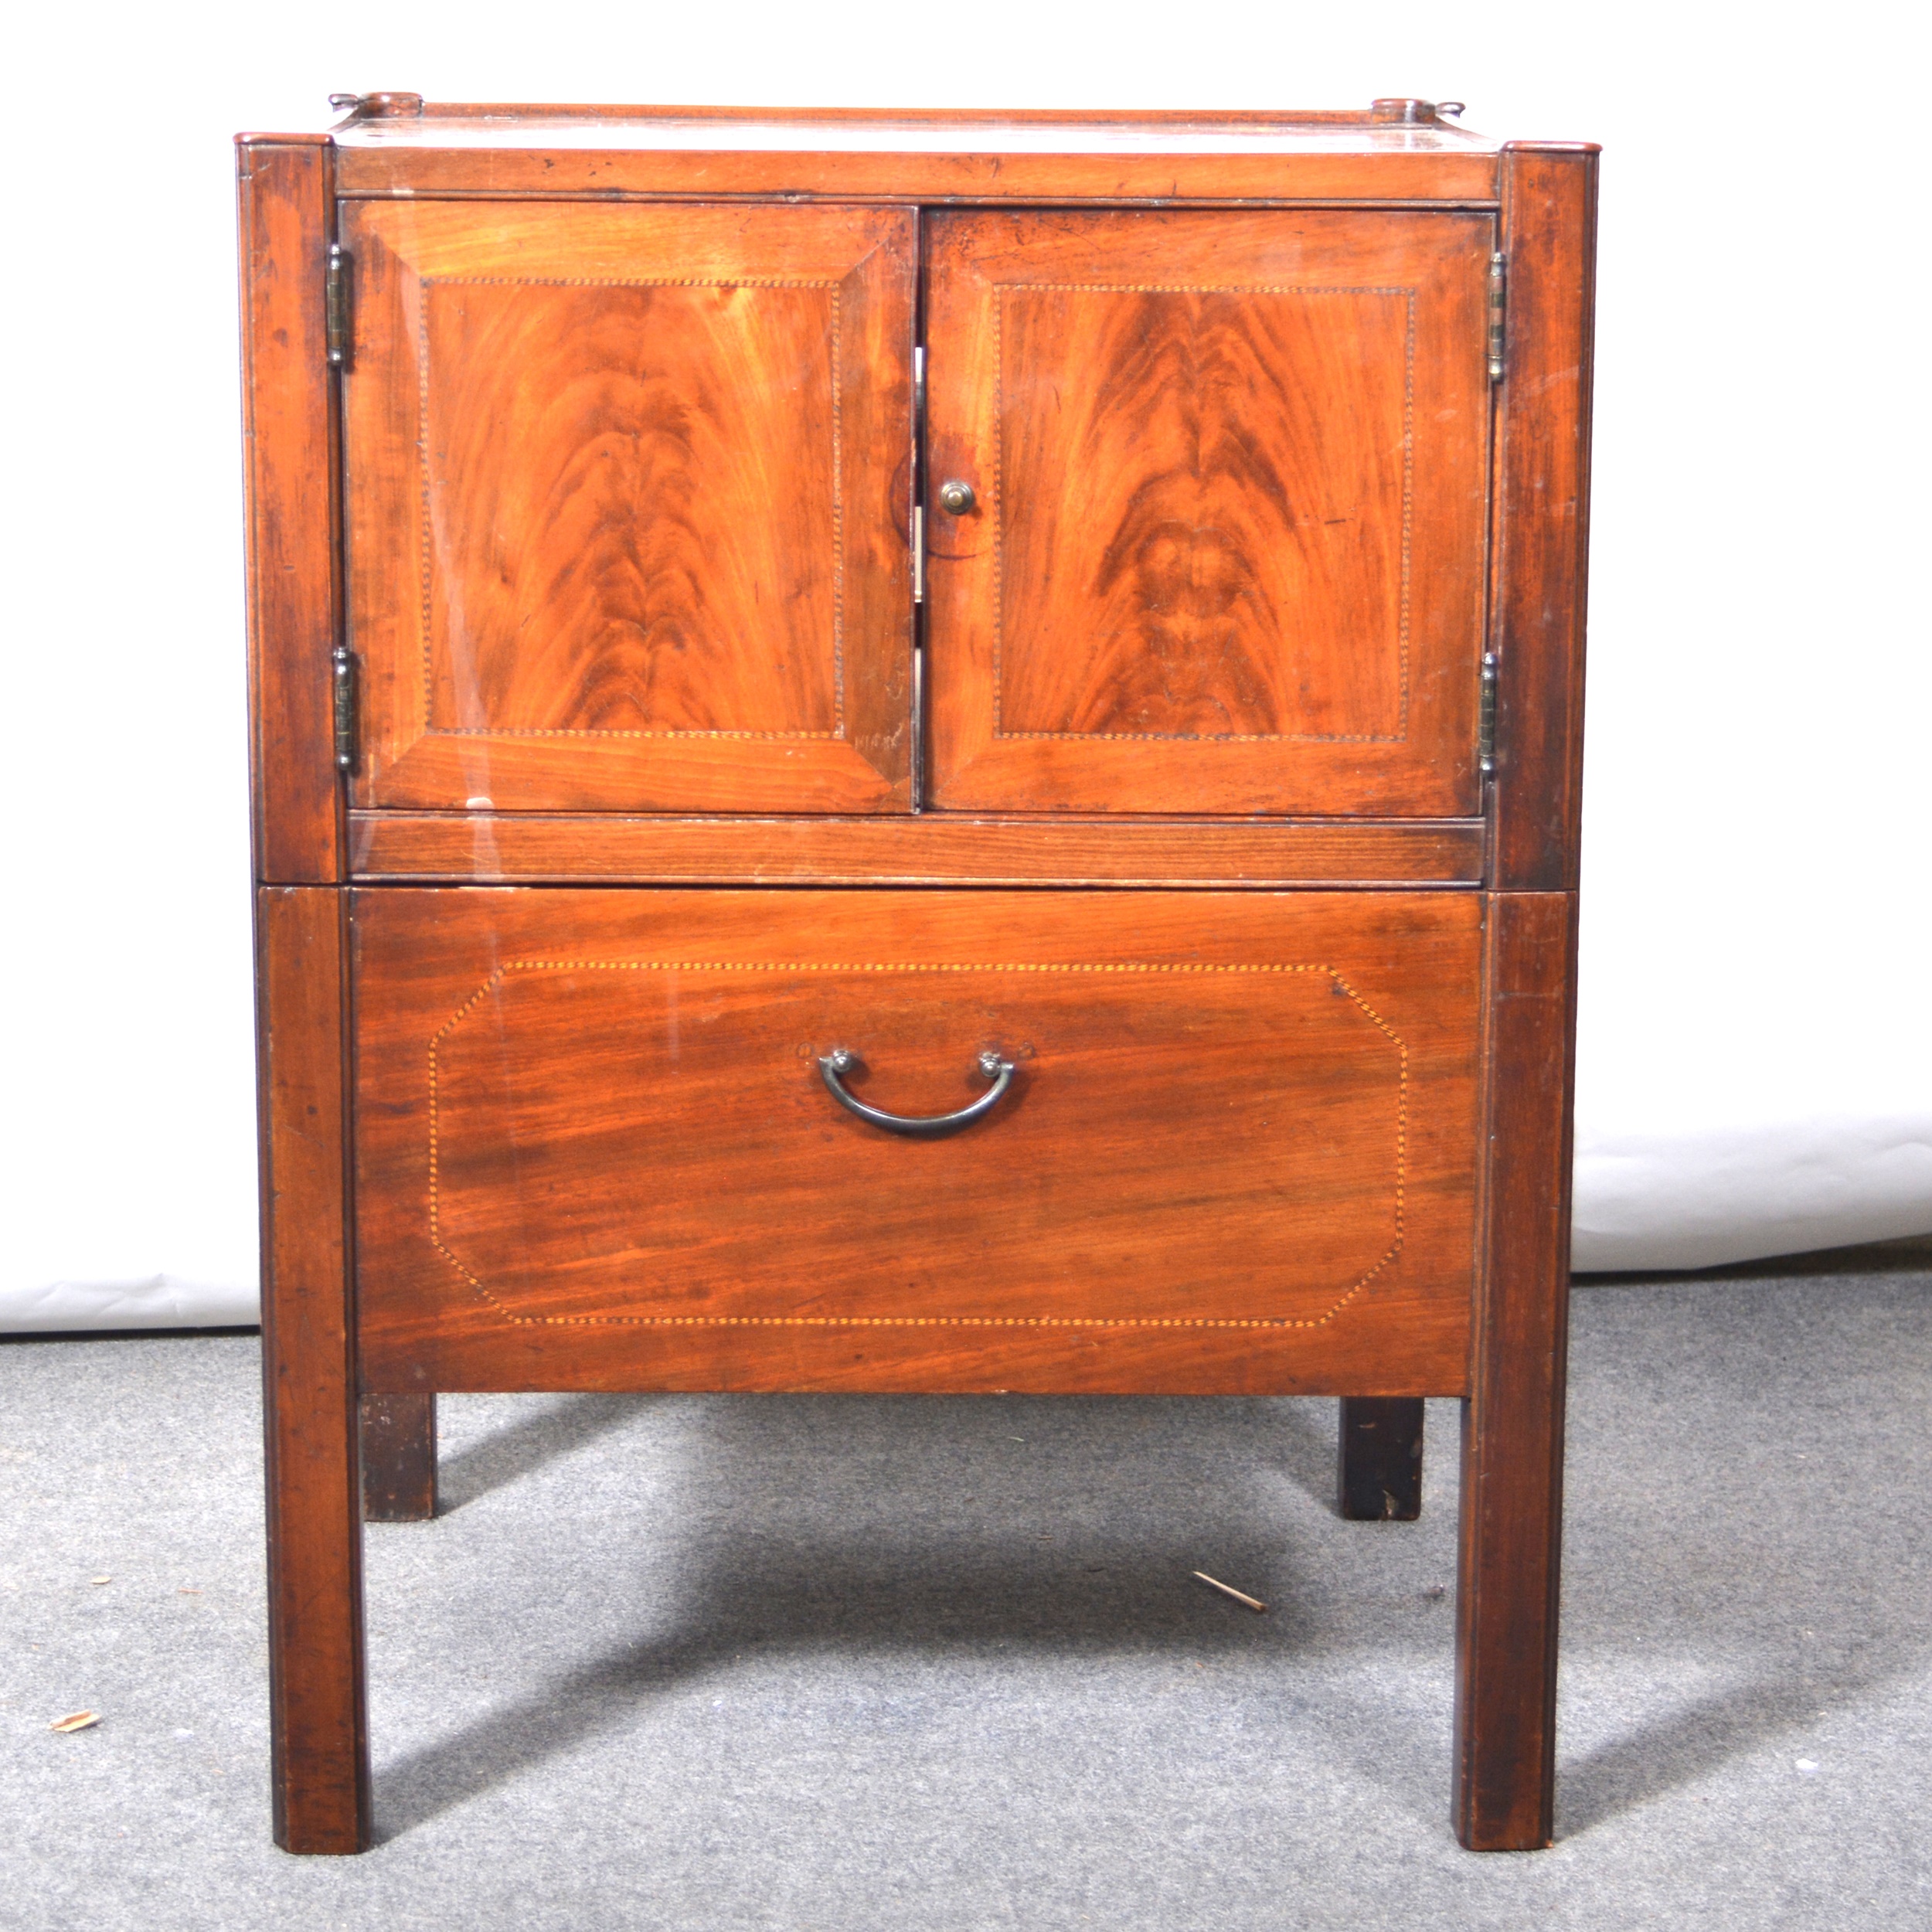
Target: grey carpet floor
846,1663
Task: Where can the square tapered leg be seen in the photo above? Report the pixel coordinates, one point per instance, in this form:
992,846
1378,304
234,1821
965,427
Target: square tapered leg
1512,1438
1378,1472
319,1727
398,1458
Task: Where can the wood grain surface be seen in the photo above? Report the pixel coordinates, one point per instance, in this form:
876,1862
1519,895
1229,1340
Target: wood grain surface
935,849
285,188
1203,537
622,542
927,155
629,506
596,1150
398,1458
1378,1459
319,1728
1542,546
1512,1441
647,542
1230,470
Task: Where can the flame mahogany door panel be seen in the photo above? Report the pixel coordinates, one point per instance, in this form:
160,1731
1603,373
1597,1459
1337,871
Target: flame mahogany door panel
595,1148
628,492
1226,550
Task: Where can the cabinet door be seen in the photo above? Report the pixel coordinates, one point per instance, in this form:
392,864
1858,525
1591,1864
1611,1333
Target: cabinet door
1226,551
628,504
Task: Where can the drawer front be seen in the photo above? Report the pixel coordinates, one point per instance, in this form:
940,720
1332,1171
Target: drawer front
597,1145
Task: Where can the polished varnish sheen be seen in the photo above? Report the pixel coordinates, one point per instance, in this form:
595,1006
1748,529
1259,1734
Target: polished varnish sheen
593,453
1232,584
1102,717
1237,1154
1226,549
935,848
628,495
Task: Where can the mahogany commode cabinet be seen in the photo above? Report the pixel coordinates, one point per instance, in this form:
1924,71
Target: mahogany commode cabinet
915,751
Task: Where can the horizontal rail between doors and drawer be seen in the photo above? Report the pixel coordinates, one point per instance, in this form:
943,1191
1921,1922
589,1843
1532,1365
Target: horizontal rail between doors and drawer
931,849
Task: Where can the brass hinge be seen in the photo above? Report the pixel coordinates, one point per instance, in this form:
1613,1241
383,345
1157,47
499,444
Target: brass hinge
336,306
342,679
1498,306
1486,717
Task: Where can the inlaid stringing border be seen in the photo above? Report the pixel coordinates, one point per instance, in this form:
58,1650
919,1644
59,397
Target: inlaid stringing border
496,979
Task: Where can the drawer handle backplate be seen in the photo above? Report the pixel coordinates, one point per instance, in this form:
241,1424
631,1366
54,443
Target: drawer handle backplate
841,1061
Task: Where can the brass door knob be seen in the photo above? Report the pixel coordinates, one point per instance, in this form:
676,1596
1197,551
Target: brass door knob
956,499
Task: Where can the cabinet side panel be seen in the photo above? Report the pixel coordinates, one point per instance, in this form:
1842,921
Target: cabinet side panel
284,190
1542,483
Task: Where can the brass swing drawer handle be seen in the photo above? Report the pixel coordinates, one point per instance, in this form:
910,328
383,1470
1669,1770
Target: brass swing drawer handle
999,1071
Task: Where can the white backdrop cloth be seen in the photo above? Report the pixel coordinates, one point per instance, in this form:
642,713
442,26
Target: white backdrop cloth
1755,1038
162,1301
1691,1198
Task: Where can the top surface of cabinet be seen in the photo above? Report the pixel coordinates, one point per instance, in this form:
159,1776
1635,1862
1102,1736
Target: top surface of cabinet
469,124
396,144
